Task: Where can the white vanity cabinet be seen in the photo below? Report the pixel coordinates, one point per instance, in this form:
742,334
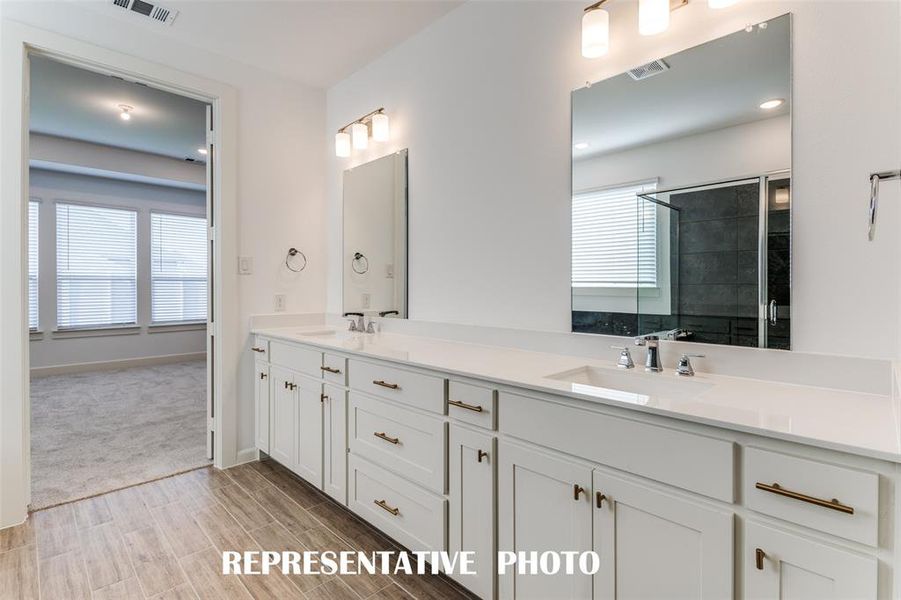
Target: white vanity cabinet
448,461
543,504
471,519
690,554
779,564
261,404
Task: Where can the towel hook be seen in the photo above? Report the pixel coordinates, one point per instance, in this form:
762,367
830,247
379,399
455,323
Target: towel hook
292,252
875,180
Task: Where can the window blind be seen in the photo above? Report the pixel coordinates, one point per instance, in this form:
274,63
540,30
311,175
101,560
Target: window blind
178,255
614,238
34,211
95,266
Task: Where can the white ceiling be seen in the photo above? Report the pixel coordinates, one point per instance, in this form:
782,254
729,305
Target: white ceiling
317,42
711,86
83,105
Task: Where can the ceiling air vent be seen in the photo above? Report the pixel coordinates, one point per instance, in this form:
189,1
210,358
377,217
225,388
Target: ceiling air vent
649,70
155,12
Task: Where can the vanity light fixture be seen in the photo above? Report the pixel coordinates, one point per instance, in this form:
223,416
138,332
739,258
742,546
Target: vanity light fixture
202,151
595,31
771,104
125,115
355,135
653,16
581,146
720,3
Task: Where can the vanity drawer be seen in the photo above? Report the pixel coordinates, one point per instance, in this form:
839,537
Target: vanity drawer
795,489
260,348
297,358
407,513
393,436
471,404
423,391
692,462
334,369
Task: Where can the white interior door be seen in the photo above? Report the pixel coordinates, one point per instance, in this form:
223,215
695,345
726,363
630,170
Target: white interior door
211,270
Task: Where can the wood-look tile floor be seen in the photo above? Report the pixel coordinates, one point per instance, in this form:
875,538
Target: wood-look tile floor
163,540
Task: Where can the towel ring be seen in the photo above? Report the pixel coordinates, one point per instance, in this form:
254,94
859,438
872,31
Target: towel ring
358,257
292,252
875,180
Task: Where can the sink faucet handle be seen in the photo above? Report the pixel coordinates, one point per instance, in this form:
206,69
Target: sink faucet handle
647,340
684,368
625,358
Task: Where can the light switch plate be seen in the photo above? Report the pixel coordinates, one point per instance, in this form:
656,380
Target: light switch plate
281,302
365,300
245,265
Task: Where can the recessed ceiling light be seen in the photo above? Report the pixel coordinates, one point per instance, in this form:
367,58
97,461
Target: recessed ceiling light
771,104
125,115
581,146
202,151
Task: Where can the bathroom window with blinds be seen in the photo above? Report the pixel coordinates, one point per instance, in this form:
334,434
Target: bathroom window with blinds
96,275
614,238
178,256
34,211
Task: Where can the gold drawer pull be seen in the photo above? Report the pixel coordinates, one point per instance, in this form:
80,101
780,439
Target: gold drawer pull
384,505
831,504
390,386
330,370
386,437
255,349
578,490
471,407
759,555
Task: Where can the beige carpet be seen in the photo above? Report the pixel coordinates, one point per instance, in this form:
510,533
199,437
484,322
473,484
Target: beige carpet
100,431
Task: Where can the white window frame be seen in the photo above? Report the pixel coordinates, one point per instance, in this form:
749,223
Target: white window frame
34,257
165,323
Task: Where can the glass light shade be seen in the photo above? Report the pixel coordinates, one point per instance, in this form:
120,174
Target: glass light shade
720,3
360,134
342,144
380,130
595,33
653,16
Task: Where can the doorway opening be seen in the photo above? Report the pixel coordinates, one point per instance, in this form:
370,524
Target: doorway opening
119,303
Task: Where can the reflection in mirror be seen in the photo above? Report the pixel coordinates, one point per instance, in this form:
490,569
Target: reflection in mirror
375,237
682,195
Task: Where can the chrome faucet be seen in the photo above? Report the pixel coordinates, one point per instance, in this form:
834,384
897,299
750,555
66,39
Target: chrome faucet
360,325
652,361
625,358
684,368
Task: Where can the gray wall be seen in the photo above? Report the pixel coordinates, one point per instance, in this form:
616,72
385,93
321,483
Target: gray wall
52,349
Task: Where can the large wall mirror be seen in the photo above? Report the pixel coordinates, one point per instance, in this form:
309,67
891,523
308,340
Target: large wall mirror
375,237
682,198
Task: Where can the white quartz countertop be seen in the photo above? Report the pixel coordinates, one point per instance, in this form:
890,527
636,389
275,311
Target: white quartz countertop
855,422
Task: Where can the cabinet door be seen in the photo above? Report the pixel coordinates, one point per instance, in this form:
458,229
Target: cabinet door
282,417
334,416
471,521
793,567
654,544
261,405
309,430
543,504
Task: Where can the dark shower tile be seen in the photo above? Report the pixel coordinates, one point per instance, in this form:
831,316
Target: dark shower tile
713,300
747,266
708,267
748,233
705,205
747,200
708,236
748,301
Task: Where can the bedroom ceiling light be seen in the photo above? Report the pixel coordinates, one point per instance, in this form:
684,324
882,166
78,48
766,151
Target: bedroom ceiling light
595,31
653,18
581,146
771,104
202,151
355,135
125,115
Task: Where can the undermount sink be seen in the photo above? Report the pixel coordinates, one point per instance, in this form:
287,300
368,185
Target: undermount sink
630,385
315,332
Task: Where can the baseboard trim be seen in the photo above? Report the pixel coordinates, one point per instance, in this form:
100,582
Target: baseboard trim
108,365
246,455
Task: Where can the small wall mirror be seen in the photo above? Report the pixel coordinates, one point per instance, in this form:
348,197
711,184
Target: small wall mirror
682,195
375,237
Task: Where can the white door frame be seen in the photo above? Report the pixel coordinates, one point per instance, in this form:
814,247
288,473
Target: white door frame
17,42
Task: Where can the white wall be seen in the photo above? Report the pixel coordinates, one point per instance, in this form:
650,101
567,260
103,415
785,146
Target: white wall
482,100
744,150
281,159
50,349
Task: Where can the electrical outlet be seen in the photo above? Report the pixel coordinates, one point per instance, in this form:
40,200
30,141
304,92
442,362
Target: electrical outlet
281,302
364,300
389,271
245,265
